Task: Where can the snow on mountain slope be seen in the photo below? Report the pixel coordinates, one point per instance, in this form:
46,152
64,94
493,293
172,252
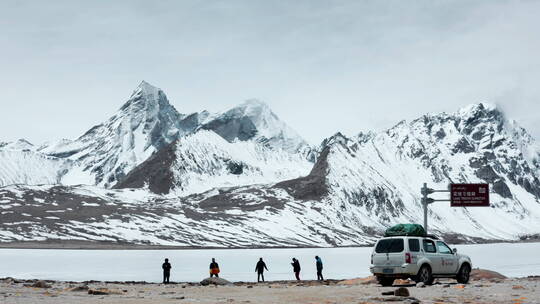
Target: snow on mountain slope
147,123
247,219
143,125
379,176
205,160
254,120
19,145
30,168
358,187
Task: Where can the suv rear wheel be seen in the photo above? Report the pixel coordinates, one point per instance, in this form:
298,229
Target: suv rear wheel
464,274
424,275
385,281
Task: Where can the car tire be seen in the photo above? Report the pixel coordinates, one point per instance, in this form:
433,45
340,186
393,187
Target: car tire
424,275
385,281
464,274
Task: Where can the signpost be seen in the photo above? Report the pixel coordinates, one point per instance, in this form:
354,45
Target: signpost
469,195
461,195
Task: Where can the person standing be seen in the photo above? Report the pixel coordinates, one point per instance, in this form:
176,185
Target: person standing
259,268
166,271
319,265
296,268
214,268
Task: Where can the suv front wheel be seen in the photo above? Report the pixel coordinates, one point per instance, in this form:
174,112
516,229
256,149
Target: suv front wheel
464,274
424,275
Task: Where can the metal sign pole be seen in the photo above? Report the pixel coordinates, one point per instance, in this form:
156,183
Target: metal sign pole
425,204
427,200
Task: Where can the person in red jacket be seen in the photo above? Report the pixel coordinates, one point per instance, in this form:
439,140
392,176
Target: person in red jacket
214,268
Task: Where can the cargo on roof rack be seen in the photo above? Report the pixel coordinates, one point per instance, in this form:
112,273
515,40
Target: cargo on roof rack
406,230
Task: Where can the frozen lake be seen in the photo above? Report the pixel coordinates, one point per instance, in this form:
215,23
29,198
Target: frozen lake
514,260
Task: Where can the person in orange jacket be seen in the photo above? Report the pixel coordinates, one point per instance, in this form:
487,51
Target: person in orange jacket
214,268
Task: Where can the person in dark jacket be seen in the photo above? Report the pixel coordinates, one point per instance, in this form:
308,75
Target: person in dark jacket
166,271
214,268
259,269
318,263
296,268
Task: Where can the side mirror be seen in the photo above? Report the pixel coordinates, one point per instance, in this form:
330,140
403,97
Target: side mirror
454,250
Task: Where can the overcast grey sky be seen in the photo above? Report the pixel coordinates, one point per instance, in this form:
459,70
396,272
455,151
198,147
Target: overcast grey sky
323,66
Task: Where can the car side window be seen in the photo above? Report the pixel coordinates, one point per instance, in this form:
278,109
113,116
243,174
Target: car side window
429,246
443,248
414,245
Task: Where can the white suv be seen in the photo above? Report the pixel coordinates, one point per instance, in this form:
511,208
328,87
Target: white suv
420,258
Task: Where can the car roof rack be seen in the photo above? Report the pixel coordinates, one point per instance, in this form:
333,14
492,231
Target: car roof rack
432,236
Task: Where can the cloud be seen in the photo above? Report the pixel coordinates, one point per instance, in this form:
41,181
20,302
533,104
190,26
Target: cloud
322,66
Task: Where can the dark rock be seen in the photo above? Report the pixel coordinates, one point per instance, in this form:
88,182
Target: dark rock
230,127
80,288
235,168
215,281
463,146
487,173
401,292
502,189
41,284
154,172
313,186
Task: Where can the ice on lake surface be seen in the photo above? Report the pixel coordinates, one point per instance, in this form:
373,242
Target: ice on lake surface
514,260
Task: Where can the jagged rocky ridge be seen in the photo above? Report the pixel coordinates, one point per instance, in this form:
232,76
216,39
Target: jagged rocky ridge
206,187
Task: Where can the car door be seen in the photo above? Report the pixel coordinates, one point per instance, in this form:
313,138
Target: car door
448,258
430,252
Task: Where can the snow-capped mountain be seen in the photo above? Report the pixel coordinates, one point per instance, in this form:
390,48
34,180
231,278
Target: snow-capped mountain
205,160
147,123
247,173
107,152
253,120
377,176
357,187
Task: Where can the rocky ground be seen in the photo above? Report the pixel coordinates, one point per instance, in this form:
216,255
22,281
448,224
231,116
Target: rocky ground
485,287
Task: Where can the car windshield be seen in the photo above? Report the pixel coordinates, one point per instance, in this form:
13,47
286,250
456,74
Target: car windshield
389,245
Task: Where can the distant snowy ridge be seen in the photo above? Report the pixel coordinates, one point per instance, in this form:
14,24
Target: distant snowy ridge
244,178
30,168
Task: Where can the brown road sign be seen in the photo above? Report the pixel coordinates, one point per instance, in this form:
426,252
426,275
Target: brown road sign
469,195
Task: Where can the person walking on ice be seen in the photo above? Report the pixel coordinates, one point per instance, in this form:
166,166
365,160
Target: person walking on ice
259,269
318,263
214,268
166,271
296,268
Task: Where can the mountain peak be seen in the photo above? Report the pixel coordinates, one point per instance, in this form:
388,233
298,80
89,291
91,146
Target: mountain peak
145,92
253,108
476,108
253,102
